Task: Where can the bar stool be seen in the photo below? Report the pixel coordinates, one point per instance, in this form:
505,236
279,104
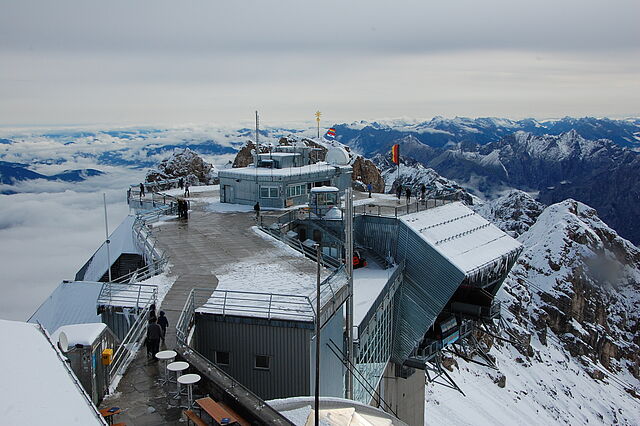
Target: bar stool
166,356
178,367
189,380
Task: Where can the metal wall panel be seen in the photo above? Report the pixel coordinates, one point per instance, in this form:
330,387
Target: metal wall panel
377,233
285,342
118,322
429,282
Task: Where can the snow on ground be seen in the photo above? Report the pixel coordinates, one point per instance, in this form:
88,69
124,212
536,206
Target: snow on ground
551,389
177,192
163,282
213,204
267,275
36,383
367,284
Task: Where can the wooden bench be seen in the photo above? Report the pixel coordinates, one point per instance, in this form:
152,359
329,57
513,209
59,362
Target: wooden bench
194,418
215,410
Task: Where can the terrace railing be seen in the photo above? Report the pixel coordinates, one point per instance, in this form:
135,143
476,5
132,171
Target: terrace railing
127,295
129,346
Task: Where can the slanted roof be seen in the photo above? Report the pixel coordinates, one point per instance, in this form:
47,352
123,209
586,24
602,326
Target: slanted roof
461,235
70,303
121,241
37,386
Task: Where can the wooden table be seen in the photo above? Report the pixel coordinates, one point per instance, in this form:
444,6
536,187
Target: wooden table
215,410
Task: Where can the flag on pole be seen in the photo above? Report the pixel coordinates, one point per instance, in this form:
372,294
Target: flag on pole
395,154
331,133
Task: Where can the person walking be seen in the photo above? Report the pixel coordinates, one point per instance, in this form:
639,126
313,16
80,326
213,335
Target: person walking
408,193
163,323
399,192
256,208
154,334
186,190
141,190
181,183
369,189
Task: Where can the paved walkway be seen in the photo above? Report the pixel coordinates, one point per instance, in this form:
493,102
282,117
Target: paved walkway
197,248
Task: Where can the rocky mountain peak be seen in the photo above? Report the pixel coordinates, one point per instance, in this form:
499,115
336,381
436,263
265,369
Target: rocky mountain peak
578,281
186,164
513,212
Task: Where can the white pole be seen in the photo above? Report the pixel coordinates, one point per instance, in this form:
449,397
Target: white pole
106,230
348,198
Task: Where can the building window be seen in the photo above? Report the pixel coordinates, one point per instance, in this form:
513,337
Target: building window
222,358
296,190
262,362
268,192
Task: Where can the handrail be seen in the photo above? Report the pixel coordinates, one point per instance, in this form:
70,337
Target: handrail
131,342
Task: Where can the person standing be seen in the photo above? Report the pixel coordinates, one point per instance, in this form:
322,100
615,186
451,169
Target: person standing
163,323
369,189
181,183
154,334
186,190
256,208
399,192
408,193
423,190
141,190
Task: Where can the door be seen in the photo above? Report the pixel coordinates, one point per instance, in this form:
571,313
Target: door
228,194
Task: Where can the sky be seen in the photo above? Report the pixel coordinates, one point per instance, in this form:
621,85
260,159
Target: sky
167,62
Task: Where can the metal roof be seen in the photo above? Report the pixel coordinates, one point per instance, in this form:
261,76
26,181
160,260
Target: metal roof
70,303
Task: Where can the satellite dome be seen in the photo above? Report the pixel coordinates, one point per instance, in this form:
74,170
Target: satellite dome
337,156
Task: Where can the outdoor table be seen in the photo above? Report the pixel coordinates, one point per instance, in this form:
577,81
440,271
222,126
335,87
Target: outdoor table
165,356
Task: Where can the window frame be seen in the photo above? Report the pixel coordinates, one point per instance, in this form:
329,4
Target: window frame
220,363
255,362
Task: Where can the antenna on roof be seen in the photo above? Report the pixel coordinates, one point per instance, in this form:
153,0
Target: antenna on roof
106,230
257,139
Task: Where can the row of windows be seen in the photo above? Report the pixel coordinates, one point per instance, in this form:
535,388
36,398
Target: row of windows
268,192
260,362
296,190
292,190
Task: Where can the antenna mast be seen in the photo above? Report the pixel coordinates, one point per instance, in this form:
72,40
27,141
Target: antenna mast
257,139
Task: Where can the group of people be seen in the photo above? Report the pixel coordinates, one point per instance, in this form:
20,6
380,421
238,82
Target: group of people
156,331
407,192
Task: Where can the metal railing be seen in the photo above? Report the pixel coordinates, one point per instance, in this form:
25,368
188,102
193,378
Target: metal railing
310,252
127,295
131,343
401,209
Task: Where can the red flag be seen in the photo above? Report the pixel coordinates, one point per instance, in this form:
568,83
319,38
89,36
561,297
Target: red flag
395,154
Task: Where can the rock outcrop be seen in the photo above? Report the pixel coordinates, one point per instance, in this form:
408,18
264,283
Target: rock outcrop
365,173
514,212
581,281
186,164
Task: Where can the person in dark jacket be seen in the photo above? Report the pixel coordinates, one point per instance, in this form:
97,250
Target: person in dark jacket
398,192
163,323
256,208
141,190
408,193
154,334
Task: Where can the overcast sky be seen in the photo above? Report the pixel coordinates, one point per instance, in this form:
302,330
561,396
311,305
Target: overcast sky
173,62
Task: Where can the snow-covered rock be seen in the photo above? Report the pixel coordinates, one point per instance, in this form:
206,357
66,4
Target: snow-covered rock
514,212
414,175
570,305
186,164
